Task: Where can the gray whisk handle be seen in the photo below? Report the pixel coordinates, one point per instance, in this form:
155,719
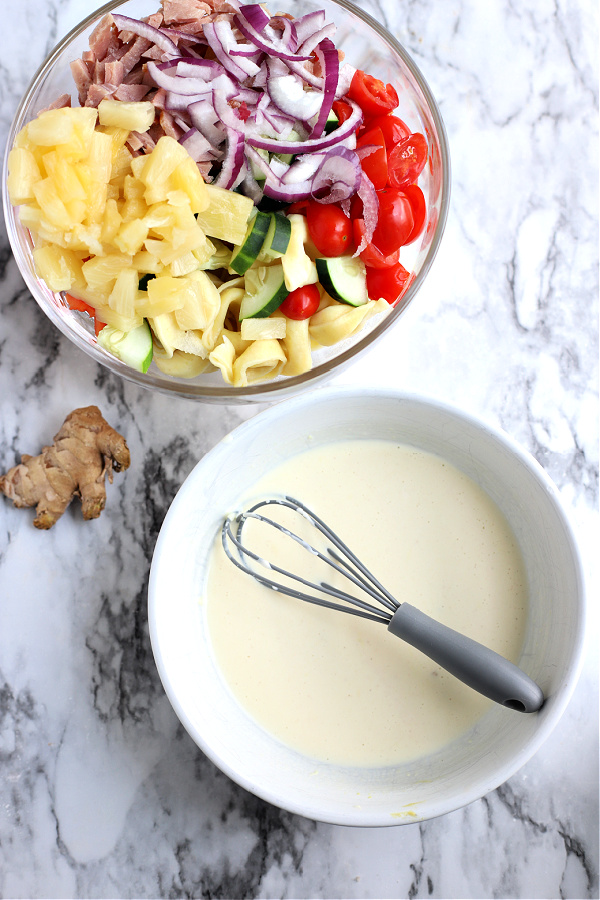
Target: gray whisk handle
481,668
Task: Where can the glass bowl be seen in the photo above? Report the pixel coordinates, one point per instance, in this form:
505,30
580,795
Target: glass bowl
366,45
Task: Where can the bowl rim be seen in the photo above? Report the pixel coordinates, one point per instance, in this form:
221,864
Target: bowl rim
562,696
267,390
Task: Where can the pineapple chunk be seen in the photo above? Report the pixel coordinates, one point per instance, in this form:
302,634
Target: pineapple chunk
23,173
131,236
102,271
188,179
129,116
164,295
160,165
123,296
48,199
226,216
59,268
111,221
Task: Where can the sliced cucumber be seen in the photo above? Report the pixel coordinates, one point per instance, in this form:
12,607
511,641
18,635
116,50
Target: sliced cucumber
134,348
344,278
278,237
331,122
265,292
245,254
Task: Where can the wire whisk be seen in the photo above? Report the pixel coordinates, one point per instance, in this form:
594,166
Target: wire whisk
481,668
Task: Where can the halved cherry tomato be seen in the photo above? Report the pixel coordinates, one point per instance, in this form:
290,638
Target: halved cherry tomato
371,256
298,207
407,160
374,164
388,284
373,96
342,110
80,305
395,221
301,303
330,228
415,197
394,129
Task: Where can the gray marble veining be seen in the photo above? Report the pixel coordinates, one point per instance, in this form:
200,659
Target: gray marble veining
102,793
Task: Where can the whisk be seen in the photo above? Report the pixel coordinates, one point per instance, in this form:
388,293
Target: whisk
482,669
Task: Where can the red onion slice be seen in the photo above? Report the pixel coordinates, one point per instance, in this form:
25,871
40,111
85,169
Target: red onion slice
175,83
368,195
221,40
272,47
322,143
234,161
256,16
307,25
288,95
207,122
164,43
330,64
198,147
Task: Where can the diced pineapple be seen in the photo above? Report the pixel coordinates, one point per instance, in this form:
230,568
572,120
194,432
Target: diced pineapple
111,221
147,262
202,302
48,199
131,236
133,188
130,116
102,271
184,264
226,216
124,323
64,176
164,295
160,165
86,238
123,296
133,209
100,156
50,128
187,178
59,268
23,173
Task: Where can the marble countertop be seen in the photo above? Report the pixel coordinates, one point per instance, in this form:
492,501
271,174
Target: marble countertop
102,792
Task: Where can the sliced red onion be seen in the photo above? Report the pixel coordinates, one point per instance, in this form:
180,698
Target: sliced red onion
346,74
274,47
304,168
207,122
199,148
198,68
322,143
176,84
300,69
226,114
307,25
330,64
315,39
288,35
221,40
125,23
288,95
339,174
256,16
368,195
233,163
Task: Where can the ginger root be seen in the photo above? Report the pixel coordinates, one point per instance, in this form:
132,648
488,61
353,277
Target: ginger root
85,450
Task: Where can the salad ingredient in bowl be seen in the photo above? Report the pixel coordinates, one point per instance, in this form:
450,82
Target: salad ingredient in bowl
230,195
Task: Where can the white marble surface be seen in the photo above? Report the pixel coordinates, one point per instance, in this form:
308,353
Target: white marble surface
102,793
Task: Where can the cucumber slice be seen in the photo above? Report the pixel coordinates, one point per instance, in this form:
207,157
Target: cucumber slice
134,348
344,278
278,237
245,254
265,292
331,122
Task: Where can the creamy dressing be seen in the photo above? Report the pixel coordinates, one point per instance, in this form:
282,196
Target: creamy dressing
342,689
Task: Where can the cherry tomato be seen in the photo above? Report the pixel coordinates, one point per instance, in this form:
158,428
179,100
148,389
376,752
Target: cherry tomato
394,129
415,197
395,221
329,228
298,207
342,110
407,160
388,283
374,165
301,303
373,96
80,305
371,256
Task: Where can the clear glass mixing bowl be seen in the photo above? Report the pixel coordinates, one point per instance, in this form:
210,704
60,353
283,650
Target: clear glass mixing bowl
366,45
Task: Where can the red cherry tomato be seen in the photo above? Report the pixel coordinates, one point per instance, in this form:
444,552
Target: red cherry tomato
373,96
407,160
80,305
388,284
395,221
301,303
298,207
374,164
371,256
415,197
342,110
394,129
329,228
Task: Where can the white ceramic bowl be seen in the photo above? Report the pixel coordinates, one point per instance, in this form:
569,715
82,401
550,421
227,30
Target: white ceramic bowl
479,761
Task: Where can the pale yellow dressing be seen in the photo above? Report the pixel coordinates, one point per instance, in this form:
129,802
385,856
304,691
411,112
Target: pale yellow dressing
342,689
